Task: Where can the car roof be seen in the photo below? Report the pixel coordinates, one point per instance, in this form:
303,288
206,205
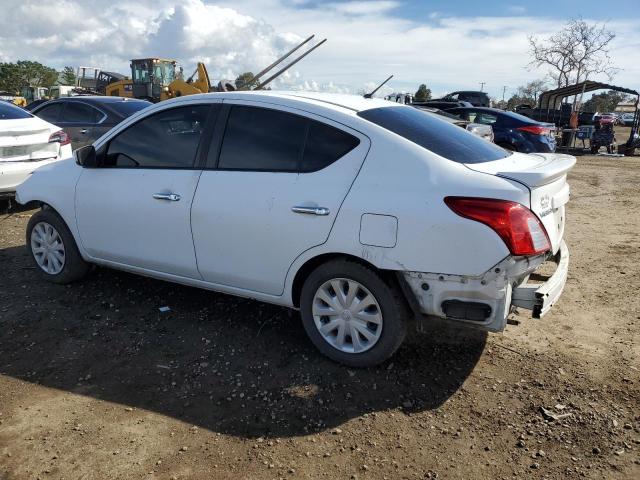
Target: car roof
333,101
97,99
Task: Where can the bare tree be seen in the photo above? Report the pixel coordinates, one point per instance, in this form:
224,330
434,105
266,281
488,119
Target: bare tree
532,89
575,53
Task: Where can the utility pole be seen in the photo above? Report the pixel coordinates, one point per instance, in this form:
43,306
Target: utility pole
504,89
482,84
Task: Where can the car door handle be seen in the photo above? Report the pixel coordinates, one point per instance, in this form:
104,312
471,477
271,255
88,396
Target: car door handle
172,197
311,210
84,130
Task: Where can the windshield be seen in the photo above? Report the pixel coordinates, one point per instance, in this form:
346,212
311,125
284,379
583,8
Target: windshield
164,73
9,111
129,107
436,135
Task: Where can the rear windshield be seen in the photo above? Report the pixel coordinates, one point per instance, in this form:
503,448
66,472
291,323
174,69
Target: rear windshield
129,107
9,111
517,116
438,136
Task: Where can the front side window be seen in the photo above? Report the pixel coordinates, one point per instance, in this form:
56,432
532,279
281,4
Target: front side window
436,135
167,139
261,139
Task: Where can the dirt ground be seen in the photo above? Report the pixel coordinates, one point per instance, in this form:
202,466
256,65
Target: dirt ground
96,383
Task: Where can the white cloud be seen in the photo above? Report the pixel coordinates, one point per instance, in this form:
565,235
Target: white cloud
363,7
366,41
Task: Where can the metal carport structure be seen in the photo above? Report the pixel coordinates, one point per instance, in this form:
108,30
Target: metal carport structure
551,100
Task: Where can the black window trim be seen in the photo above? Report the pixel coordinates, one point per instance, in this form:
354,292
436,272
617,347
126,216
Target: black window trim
203,144
221,129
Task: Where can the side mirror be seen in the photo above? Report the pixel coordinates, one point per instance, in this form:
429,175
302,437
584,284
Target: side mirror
86,157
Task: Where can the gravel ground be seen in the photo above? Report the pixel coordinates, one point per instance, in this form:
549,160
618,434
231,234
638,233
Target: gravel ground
96,382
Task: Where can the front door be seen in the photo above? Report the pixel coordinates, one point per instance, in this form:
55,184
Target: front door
135,209
279,183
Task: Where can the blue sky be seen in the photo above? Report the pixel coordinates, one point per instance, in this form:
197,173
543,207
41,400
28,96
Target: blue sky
487,8
449,45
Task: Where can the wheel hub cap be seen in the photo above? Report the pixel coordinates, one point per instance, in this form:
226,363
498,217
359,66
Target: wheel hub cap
347,315
47,248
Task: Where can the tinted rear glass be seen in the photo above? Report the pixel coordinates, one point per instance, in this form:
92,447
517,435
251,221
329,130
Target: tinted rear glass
129,107
261,139
324,146
436,135
11,112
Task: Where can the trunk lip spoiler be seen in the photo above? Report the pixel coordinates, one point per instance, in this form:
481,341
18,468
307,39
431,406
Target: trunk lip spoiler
542,174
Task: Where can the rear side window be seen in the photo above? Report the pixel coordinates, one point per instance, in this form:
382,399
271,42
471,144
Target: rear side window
12,112
50,113
167,139
436,135
261,139
324,146
76,112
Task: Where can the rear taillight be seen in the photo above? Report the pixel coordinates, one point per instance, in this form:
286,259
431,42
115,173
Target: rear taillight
518,226
60,137
536,130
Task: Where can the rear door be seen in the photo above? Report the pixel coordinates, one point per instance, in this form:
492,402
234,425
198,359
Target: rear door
275,183
83,123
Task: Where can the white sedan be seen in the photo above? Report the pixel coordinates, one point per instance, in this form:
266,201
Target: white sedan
361,213
26,143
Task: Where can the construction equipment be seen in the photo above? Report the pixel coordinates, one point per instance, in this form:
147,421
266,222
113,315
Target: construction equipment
156,79
150,77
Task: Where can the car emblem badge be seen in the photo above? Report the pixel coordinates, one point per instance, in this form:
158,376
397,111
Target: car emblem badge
545,202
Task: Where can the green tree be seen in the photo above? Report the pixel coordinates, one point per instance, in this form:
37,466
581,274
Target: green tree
243,82
68,76
604,102
23,73
423,94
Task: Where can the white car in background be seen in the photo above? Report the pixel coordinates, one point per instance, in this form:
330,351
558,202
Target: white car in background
26,143
360,212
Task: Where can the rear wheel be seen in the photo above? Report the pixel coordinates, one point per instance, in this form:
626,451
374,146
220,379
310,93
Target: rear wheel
351,314
53,249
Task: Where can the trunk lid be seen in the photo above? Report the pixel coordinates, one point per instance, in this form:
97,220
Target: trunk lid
26,139
545,175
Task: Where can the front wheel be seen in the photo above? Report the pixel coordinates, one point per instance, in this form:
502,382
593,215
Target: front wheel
351,314
53,249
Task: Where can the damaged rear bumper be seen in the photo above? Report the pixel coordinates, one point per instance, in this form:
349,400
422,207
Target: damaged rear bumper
540,298
486,301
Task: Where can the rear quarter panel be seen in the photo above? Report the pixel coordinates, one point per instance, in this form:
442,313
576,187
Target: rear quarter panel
402,180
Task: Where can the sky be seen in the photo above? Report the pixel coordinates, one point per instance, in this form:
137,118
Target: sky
449,45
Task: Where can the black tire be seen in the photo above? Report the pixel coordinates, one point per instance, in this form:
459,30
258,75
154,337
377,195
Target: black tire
74,266
392,305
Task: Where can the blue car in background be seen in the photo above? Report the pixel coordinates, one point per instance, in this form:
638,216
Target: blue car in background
512,131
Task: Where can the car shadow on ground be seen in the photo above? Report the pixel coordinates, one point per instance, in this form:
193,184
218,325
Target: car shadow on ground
227,364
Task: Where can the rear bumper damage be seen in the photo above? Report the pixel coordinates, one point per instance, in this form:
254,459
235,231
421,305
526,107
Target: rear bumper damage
486,301
13,173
